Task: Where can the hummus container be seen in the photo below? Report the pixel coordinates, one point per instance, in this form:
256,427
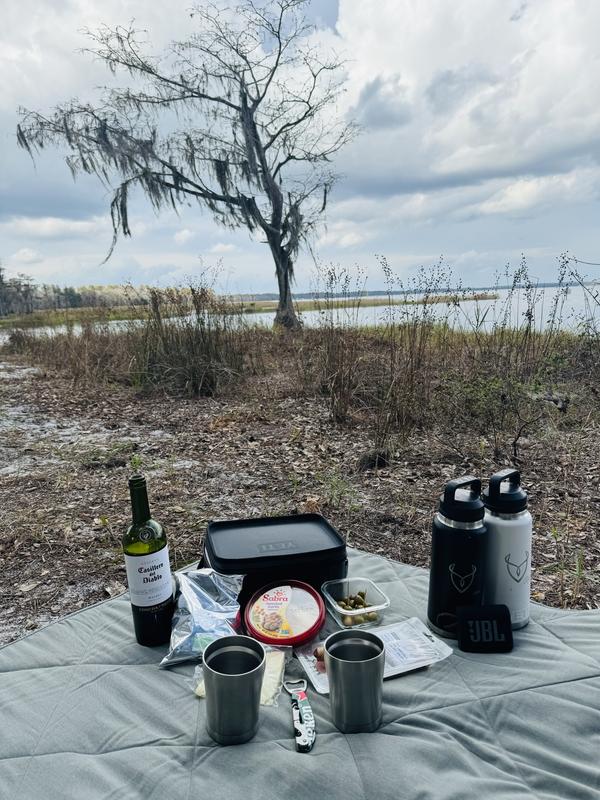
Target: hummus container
341,591
285,614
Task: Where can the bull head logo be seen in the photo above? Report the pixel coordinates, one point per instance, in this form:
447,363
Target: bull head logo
516,571
462,582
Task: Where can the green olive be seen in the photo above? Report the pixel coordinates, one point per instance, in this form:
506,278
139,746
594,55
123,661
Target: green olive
347,621
362,594
372,616
359,620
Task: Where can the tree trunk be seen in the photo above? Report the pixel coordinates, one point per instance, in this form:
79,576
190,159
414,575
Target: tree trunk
286,313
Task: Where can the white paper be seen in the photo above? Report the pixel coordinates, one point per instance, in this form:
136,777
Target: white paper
409,645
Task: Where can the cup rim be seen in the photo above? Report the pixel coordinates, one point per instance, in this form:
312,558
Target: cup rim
358,634
231,641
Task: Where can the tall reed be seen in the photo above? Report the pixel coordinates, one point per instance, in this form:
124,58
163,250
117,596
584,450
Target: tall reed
498,370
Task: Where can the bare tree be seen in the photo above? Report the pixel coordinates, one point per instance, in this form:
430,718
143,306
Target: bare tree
240,117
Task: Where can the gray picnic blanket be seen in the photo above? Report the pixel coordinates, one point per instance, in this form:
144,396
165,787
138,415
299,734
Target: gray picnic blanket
85,713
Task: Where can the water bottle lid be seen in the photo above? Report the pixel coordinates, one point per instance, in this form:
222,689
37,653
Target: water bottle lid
505,495
460,504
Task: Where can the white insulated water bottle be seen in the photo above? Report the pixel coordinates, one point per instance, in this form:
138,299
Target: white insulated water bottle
508,567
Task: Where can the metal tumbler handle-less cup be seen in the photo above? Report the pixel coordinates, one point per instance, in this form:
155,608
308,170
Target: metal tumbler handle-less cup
354,661
233,668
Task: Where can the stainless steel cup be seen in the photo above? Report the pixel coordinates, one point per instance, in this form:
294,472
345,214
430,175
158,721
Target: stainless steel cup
354,661
233,668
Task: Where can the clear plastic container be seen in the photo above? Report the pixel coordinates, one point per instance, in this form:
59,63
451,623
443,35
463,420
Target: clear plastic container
372,614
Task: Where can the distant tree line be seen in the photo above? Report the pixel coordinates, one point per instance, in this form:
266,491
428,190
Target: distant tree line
21,295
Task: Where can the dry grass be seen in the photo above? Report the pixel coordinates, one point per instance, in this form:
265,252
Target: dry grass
415,371
187,342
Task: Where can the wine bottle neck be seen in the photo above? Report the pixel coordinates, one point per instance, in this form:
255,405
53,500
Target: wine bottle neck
140,507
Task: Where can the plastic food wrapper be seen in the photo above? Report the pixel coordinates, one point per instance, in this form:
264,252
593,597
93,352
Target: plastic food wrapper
276,658
207,609
409,645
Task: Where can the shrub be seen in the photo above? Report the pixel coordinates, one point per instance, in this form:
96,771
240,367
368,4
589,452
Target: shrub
187,342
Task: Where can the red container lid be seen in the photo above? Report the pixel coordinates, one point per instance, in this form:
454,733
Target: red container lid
287,613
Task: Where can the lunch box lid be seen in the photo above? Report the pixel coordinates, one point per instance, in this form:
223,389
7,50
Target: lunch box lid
262,542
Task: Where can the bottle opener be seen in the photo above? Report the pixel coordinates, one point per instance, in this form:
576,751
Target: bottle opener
302,714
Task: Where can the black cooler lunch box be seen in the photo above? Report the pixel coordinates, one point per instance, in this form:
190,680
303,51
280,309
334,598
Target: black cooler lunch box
304,547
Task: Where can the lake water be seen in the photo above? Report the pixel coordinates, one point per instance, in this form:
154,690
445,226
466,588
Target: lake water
573,305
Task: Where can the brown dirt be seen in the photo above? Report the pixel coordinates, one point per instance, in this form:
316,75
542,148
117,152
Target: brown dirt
66,450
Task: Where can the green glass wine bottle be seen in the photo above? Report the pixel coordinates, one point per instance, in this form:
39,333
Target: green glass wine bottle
148,570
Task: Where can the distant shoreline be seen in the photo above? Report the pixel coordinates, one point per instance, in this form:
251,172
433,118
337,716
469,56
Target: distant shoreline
384,293
267,302
100,314
360,301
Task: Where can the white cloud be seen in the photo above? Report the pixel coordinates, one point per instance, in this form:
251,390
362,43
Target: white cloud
345,233
183,236
26,256
221,248
527,194
383,103
54,227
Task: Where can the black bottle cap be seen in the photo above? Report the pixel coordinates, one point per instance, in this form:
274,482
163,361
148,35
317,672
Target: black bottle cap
460,504
505,495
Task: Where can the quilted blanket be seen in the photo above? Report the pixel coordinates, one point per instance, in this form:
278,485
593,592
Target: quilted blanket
85,713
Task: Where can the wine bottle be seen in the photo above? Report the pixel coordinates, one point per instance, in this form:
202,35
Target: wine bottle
148,570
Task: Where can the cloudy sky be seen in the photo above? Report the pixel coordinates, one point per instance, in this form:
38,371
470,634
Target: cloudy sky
480,141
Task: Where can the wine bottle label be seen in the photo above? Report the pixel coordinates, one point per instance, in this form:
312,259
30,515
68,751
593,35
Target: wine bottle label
149,578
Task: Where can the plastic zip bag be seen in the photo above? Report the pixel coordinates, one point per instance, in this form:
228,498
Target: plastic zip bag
207,609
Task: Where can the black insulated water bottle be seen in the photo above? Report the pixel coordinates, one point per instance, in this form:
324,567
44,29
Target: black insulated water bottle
458,554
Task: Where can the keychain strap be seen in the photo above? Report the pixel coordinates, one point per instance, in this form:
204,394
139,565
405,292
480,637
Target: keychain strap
302,714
